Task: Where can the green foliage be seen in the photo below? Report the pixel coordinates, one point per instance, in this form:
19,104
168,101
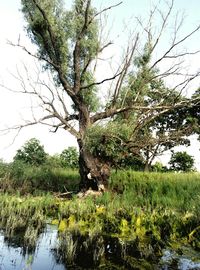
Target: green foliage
29,178
69,157
53,161
109,141
56,31
90,96
3,168
31,153
131,161
159,167
48,29
181,161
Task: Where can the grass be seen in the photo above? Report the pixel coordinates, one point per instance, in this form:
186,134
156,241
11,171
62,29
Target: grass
177,191
146,211
26,179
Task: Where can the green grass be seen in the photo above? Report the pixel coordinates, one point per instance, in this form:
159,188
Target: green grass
27,179
144,208
172,190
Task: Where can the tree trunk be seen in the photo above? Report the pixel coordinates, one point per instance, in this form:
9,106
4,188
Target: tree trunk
147,167
94,172
147,161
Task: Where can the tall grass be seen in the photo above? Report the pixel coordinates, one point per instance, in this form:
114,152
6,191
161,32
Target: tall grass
25,215
142,210
173,190
27,179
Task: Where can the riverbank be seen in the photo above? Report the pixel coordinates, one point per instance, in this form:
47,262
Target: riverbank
140,216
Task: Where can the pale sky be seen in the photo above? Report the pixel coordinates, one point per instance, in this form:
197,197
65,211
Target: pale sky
12,107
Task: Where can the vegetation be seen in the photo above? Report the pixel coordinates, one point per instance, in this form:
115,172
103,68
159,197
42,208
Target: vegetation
136,214
30,179
32,153
181,161
141,115
69,157
145,213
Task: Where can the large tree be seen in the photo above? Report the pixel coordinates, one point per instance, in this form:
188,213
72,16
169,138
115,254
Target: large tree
69,45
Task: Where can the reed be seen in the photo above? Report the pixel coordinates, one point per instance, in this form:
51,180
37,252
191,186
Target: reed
141,211
27,179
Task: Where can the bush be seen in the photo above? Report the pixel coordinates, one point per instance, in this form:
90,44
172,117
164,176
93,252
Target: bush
45,177
3,168
159,167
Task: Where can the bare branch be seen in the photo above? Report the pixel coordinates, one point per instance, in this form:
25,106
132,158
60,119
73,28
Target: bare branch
165,19
34,55
128,59
161,109
101,82
104,10
174,45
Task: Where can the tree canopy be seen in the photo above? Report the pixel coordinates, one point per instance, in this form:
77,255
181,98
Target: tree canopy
32,152
181,161
69,157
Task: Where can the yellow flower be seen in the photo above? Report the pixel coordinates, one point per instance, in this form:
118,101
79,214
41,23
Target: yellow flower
62,225
100,210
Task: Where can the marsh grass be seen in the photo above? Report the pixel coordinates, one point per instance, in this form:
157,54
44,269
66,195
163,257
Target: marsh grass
27,179
25,215
141,212
173,190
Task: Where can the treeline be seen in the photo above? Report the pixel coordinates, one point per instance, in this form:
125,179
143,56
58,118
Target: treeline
32,169
33,153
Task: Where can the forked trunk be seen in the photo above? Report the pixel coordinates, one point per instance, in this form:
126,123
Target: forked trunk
94,173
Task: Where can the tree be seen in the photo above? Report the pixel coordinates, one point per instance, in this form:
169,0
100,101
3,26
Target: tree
181,161
69,45
159,167
32,152
69,157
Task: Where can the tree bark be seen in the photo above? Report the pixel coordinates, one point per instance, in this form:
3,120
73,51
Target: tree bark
147,167
94,172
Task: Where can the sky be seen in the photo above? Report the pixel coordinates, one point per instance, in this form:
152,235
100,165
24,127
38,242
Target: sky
14,107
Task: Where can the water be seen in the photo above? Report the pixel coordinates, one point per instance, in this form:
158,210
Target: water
172,260
13,257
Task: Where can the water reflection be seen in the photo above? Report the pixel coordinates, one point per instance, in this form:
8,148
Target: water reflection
186,261
14,258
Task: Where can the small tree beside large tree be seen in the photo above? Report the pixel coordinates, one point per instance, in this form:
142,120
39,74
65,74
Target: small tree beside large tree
69,45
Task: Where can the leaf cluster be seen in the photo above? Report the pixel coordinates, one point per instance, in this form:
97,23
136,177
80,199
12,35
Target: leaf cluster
32,152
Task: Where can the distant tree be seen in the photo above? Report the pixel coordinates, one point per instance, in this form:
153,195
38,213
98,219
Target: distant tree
32,152
54,161
159,167
181,161
69,157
